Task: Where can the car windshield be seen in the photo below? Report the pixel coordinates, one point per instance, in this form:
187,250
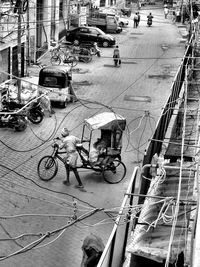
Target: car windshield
100,32
54,82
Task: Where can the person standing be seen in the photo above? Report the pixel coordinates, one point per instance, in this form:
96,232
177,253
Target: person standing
116,56
138,21
72,93
69,143
135,20
45,102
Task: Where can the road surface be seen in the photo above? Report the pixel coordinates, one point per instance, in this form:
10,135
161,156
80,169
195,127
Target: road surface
137,90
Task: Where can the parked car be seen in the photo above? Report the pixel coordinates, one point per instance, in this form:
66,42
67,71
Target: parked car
144,2
90,34
117,14
104,21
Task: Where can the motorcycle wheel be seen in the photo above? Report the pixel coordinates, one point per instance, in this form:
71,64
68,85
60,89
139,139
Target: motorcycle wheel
35,117
21,124
85,56
55,60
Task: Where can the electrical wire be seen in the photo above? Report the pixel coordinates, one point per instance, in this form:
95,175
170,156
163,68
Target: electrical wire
61,204
47,189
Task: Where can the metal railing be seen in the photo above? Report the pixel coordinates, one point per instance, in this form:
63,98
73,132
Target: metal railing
155,144
114,252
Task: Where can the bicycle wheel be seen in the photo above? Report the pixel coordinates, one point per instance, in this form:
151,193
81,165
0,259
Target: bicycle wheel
47,168
71,61
114,172
55,60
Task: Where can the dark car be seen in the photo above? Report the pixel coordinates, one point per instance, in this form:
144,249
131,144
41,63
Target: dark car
89,34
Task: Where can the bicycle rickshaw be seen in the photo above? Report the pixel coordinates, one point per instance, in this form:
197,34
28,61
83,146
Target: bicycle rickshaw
110,126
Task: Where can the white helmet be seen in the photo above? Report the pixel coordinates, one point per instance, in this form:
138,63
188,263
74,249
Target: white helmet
65,132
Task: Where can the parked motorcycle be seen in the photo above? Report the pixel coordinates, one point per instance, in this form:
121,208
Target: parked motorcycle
93,47
84,54
16,121
34,111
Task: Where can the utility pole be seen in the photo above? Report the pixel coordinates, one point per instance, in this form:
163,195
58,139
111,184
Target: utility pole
78,12
27,38
68,14
19,50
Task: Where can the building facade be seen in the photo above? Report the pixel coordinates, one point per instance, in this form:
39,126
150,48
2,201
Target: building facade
28,28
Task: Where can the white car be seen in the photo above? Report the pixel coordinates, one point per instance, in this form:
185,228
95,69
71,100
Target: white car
122,21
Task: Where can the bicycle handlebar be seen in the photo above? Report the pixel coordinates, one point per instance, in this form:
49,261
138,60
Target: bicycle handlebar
55,145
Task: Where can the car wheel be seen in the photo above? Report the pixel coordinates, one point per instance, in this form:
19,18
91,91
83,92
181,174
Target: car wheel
119,30
63,104
76,42
105,44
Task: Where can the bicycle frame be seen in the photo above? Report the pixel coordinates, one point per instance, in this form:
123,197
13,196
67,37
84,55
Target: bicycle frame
56,154
85,163
64,55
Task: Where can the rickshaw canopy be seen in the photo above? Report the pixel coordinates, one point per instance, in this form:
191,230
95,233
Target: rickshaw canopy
106,121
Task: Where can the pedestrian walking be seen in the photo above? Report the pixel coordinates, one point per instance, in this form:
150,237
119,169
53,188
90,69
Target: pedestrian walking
92,250
166,11
116,56
135,20
138,21
69,143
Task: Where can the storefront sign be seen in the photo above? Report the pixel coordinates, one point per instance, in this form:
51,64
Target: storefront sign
83,15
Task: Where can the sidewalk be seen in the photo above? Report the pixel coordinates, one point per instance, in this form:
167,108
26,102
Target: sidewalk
44,60
183,29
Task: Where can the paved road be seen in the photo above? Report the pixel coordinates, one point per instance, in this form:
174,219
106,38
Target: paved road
137,90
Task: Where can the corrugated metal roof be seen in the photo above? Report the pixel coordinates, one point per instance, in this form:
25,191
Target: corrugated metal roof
152,233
